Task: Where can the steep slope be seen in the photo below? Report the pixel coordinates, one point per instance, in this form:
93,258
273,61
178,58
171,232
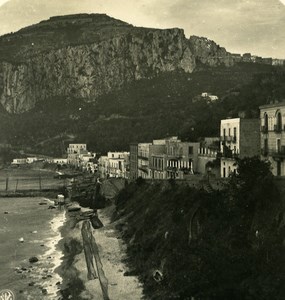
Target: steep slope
146,109
90,55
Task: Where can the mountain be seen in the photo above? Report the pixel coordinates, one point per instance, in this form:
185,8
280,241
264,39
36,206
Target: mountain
88,55
107,83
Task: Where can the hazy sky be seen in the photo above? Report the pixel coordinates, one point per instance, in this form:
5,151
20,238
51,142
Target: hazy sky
256,26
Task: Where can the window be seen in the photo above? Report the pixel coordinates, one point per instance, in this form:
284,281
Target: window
224,132
191,150
278,145
278,121
265,147
235,132
229,132
266,121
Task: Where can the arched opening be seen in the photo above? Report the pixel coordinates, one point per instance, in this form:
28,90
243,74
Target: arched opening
278,121
266,122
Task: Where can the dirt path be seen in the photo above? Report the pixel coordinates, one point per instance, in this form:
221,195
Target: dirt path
112,251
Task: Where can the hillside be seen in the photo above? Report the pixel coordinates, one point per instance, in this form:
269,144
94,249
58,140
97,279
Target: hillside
98,80
186,243
90,55
146,109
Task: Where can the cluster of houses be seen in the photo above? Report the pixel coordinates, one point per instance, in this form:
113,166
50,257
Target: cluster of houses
248,57
172,158
239,138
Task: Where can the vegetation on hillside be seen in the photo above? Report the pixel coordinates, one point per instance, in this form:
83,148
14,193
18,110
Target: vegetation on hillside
228,244
146,109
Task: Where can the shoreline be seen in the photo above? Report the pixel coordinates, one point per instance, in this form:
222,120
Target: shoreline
112,253
44,275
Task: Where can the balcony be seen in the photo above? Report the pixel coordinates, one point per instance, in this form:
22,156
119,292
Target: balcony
264,152
278,154
228,139
143,168
142,157
277,129
264,129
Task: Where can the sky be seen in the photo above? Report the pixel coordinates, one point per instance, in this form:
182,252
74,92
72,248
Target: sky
256,26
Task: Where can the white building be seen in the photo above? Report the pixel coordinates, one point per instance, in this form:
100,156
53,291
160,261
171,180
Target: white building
115,164
60,161
30,160
19,161
73,152
239,139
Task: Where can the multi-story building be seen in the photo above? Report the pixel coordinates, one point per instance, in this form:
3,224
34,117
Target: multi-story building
239,138
143,160
133,161
157,161
272,117
208,153
103,163
181,158
118,164
115,164
73,152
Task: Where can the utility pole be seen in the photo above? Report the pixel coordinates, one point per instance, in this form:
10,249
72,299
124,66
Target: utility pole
7,183
16,185
40,183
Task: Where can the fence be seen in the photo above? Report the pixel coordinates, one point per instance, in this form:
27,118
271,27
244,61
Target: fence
32,184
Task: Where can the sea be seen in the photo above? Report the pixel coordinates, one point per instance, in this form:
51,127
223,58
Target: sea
28,228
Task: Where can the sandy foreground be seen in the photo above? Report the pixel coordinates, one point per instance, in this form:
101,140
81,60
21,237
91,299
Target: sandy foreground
112,252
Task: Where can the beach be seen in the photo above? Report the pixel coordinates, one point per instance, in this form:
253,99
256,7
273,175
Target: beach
29,229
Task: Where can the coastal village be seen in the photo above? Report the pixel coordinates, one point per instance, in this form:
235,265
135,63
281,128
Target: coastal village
171,158
138,159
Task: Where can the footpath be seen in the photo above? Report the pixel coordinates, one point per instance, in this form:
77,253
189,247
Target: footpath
94,263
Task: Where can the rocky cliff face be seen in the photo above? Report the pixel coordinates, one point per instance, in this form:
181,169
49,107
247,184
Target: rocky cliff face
88,67
208,52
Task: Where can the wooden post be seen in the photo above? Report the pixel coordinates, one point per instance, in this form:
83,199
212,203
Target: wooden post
7,183
16,185
40,183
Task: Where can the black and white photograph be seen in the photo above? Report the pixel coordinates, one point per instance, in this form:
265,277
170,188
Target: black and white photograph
142,150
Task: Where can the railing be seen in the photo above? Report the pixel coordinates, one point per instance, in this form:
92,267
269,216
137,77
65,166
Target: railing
143,157
278,153
277,129
264,129
264,152
228,138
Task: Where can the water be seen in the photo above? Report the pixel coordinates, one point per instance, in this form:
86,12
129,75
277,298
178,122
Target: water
38,226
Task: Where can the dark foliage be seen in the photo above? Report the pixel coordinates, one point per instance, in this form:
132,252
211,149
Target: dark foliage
236,249
146,109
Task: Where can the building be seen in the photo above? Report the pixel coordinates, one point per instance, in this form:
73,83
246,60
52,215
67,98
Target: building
60,161
157,159
133,161
278,62
272,117
239,138
143,160
267,61
19,161
181,158
118,164
115,164
208,154
246,57
103,163
236,57
31,160
73,152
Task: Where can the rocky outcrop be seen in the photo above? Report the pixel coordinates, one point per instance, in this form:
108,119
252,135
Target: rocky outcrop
209,53
87,68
